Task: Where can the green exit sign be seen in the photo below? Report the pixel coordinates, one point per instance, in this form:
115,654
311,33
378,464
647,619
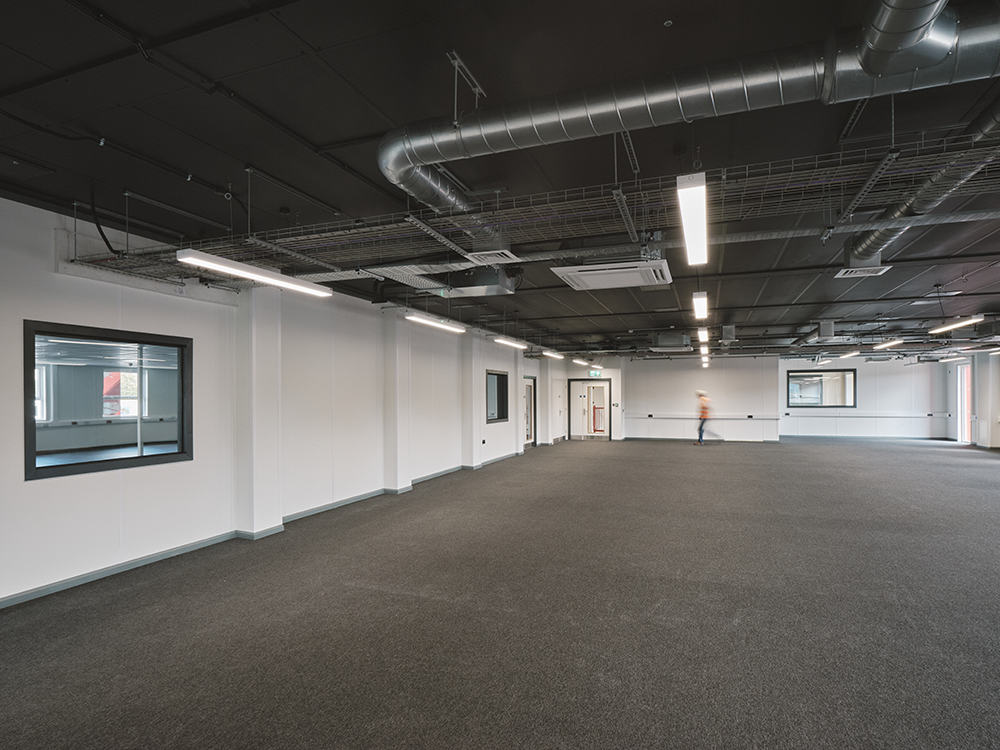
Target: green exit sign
595,373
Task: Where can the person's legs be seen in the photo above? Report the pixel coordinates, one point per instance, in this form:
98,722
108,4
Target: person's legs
701,431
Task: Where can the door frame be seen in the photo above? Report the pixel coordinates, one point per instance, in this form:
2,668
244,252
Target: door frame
569,400
534,408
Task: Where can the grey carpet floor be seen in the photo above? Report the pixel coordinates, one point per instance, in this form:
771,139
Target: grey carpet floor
814,593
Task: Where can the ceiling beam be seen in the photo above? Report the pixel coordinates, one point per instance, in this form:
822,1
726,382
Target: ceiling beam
186,72
779,306
153,43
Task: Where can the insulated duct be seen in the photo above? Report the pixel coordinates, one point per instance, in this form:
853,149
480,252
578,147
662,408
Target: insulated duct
799,74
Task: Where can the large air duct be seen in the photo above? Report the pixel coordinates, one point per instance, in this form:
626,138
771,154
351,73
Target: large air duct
932,193
800,74
907,34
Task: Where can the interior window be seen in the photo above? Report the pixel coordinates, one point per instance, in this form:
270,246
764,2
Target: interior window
104,399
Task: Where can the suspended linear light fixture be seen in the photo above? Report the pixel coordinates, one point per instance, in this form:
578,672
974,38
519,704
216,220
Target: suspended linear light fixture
849,354
510,342
700,302
824,362
887,344
692,198
952,359
958,324
434,323
703,335
253,273
704,348
581,362
552,355
704,359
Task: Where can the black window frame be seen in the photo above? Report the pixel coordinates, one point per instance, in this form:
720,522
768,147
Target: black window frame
503,396
185,411
788,388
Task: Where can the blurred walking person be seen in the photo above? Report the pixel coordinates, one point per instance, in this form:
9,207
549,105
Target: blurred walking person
702,415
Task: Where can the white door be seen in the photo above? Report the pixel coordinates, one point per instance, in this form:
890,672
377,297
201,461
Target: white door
589,415
529,411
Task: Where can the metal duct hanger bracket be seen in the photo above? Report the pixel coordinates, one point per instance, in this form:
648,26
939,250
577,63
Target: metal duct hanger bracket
461,69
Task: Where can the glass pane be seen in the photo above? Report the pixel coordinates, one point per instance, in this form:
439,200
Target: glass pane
96,388
491,396
821,388
160,396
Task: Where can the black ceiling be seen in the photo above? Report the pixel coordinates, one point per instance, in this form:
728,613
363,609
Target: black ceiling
171,102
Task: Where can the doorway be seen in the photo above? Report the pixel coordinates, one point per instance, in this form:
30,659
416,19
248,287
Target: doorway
530,414
964,403
589,412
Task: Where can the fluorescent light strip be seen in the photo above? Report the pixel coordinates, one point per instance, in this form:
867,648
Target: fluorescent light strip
511,343
692,197
704,348
703,335
553,355
597,367
88,343
700,302
887,344
581,362
995,353
436,323
959,324
849,354
244,271
952,359
823,362
704,359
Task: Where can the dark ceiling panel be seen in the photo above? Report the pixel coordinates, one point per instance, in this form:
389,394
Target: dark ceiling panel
237,49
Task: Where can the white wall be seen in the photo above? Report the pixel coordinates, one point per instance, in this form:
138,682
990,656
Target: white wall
660,400
435,410
893,400
57,528
331,401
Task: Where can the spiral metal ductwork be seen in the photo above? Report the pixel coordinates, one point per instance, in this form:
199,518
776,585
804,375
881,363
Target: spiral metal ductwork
932,192
911,26
800,74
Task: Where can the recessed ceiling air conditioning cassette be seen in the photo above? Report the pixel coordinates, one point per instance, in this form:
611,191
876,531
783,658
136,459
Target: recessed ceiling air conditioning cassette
671,342
854,273
615,275
493,257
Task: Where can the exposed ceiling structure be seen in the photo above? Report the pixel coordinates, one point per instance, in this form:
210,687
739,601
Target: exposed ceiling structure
424,157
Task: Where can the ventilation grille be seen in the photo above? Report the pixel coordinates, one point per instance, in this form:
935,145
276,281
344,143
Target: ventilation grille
853,273
493,257
615,275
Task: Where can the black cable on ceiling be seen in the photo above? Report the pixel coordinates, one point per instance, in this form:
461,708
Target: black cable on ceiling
97,223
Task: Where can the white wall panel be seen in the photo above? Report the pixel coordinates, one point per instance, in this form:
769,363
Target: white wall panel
54,529
893,400
435,405
660,401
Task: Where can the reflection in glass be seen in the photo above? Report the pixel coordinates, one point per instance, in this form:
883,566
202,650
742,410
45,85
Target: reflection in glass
101,400
821,388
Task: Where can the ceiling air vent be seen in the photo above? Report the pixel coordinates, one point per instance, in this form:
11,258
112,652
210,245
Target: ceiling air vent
854,273
493,257
615,275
